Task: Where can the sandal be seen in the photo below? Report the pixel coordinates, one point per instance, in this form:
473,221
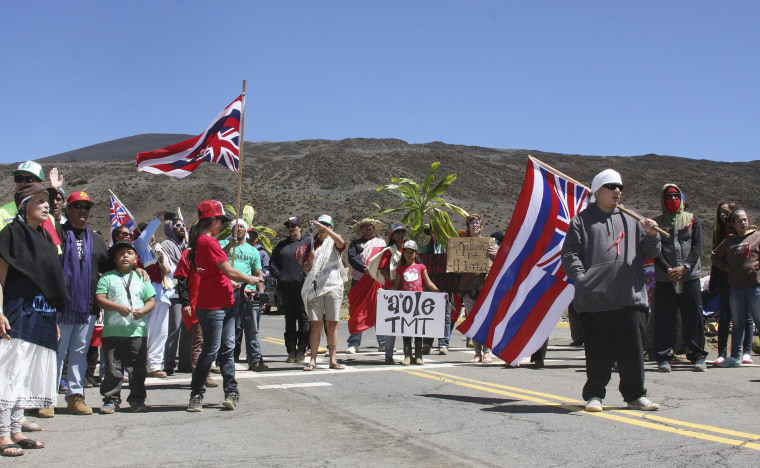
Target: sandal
30,444
4,450
337,366
310,367
477,358
487,358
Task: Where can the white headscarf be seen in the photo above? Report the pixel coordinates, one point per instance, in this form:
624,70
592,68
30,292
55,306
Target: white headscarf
233,225
607,176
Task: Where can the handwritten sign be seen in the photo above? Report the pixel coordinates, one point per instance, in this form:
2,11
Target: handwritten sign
469,255
436,268
404,313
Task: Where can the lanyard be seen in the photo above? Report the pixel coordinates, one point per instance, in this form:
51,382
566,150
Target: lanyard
127,284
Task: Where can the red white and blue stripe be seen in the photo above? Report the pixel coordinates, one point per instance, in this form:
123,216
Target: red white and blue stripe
120,216
220,143
527,290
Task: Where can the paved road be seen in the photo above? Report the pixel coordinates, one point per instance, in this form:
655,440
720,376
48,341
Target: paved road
446,413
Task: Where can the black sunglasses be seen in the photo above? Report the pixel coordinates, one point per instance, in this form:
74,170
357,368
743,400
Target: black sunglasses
613,186
81,206
25,178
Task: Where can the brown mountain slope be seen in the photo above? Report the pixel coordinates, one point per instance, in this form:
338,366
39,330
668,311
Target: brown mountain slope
310,177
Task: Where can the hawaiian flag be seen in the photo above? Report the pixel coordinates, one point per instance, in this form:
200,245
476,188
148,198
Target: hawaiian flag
527,290
120,216
220,143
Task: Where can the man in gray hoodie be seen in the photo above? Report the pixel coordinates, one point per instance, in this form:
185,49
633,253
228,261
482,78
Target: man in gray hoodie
175,243
603,255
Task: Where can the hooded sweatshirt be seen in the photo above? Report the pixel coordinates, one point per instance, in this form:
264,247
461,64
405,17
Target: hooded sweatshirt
603,255
684,246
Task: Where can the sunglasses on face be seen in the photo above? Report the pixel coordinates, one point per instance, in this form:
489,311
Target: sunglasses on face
673,196
22,178
613,187
179,226
80,206
400,232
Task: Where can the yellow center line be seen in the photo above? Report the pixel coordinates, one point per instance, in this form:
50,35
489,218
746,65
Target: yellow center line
268,339
657,423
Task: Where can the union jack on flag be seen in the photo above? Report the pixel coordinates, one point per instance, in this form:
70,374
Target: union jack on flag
120,216
527,290
220,143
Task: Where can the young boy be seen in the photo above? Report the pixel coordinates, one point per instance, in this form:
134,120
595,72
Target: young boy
125,299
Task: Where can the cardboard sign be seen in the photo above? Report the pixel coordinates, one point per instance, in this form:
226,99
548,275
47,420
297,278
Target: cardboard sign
436,268
469,255
404,313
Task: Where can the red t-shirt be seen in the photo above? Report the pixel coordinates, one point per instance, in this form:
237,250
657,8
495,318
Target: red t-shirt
411,276
215,290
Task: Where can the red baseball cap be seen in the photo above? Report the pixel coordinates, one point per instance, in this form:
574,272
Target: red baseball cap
212,209
79,197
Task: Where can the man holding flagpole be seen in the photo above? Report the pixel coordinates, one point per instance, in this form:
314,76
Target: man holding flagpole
603,254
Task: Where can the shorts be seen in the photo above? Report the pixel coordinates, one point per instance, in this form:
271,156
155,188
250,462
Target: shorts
327,306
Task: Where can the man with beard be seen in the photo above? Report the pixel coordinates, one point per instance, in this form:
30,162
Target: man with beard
246,260
175,243
286,265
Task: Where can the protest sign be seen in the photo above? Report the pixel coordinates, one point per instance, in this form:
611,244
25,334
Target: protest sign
436,268
405,313
469,255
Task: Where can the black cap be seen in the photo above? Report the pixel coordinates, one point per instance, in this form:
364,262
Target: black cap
293,220
118,246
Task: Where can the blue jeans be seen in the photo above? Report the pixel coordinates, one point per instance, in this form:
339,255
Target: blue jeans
218,328
247,318
355,339
743,301
76,340
443,342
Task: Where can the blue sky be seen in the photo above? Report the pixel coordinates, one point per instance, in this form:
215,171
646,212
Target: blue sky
605,78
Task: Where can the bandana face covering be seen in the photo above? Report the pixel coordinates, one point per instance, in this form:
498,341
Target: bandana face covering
672,200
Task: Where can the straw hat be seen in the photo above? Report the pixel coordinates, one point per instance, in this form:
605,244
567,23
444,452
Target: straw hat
372,221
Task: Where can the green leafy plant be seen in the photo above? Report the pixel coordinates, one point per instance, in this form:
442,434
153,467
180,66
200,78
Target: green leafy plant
423,204
265,234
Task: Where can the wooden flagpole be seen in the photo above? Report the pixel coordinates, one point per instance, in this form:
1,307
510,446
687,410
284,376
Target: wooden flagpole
240,174
621,207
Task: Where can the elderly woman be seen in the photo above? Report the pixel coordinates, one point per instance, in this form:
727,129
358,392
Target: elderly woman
32,287
739,254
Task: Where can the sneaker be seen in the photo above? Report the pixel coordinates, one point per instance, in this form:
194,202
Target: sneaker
138,407
351,350
108,407
95,381
231,400
300,357
390,361
425,350
196,404
594,405
215,369
77,405
63,387
418,361
156,373
468,343
258,366
291,357
700,366
747,359
731,362
664,366
643,404
86,383
381,349
443,351
46,412
27,426
211,383
407,361
719,361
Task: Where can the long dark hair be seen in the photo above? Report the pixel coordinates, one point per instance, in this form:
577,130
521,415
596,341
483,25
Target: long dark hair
200,229
722,229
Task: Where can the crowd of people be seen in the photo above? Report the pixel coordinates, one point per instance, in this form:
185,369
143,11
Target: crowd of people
193,302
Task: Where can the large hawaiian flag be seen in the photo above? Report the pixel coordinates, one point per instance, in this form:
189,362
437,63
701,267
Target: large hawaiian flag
220,143
120,216
527,290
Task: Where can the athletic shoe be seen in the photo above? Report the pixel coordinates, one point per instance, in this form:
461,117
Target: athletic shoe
231,400
196,404
211,383
351,350
664,366
258,366
700,366
719,361
108,407
389,361
643,404
731,362
156,373
747,359
300,356
138,407
27,426
443,351
594,405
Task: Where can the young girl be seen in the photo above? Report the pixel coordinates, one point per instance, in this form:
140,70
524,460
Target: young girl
411,276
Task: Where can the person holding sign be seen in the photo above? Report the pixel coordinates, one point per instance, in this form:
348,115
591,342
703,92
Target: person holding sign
411,276
471,285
